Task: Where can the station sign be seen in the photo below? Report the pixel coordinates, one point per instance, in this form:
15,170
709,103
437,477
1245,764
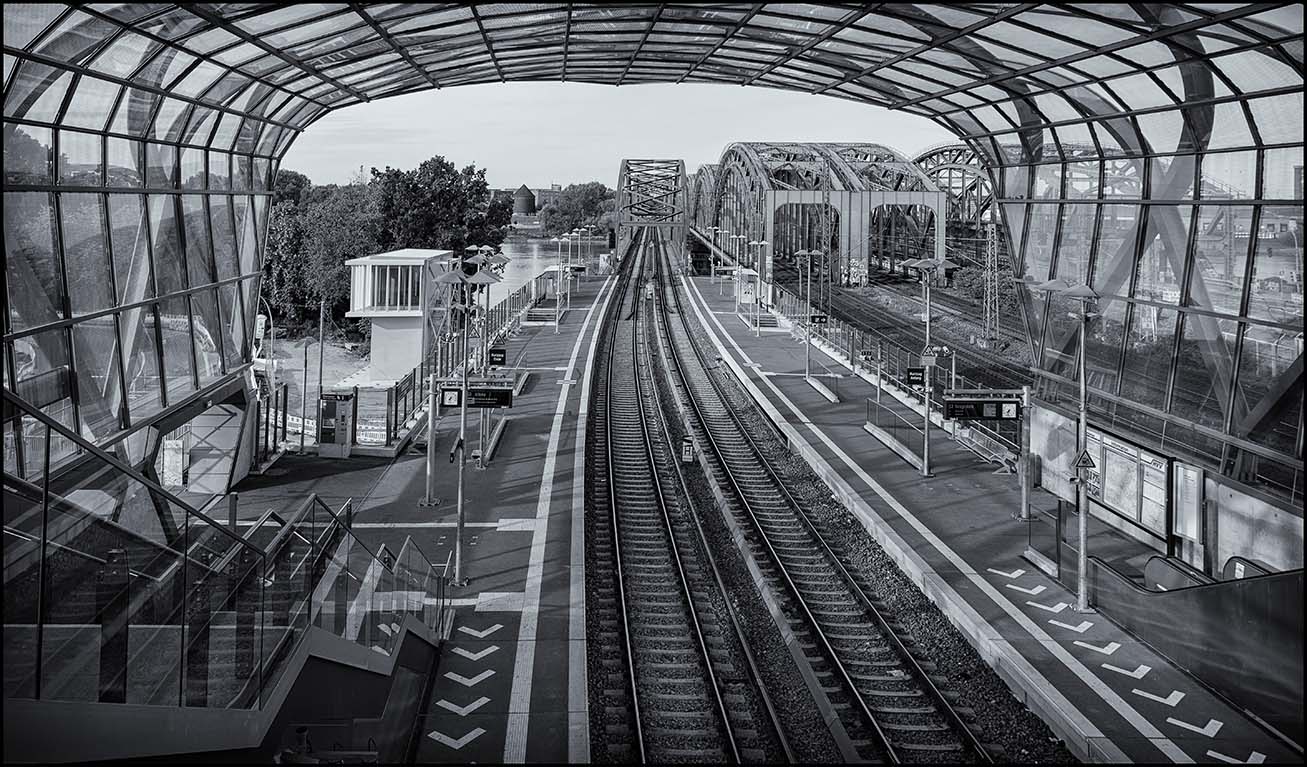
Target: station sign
982,410
818,319
917,377
334,397
498,356
485,396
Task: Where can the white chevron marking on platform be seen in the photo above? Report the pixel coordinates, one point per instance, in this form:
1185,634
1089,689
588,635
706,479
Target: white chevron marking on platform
1138,673
1256,757
1213,726
440,737
1014,574
475,655
481,634
1175,697
470,682
1080,629
463,710
1036,591
1106,649
1057,608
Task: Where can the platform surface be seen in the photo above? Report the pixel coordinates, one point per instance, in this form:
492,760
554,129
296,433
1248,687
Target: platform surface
510,683
1111,697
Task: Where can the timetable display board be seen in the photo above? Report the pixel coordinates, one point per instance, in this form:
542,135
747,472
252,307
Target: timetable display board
1130,481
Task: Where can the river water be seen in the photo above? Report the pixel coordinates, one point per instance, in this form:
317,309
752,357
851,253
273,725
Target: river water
531,257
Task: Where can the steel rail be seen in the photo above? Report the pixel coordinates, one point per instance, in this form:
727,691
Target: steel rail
921,676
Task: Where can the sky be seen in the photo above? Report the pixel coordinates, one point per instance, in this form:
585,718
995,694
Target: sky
559,133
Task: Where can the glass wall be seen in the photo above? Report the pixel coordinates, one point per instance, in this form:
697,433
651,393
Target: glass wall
131,248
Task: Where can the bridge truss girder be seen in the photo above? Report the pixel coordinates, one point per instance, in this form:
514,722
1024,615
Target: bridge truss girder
653,195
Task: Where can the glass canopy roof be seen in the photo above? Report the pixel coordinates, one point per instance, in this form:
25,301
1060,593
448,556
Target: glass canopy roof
982,68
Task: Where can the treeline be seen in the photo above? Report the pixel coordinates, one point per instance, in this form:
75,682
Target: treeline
580,205
315,229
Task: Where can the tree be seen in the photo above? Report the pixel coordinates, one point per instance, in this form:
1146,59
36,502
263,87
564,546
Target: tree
290,186
336,228
577,205
435,206
284,262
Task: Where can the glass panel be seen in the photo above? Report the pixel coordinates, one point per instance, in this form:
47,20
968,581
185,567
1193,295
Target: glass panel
79,158
241,168
92,103
1204,368
1106,334
24,21
90,284
1039,240
130,245
199,264
229,302
44,379
95,342
178,369
124,163
29,154
36,92
161,164
36,293
1268,353
134,113
1076,238
1148,355
1116,249
1220,257
219,170
208,354
169,269
141,362
224,238
193,168
1277,279
1282,174
1162,263
125,54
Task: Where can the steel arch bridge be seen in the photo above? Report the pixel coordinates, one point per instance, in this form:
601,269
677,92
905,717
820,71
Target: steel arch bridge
842,199
651,194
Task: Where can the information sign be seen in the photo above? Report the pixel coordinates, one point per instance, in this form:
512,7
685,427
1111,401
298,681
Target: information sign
334,397
917,377
490,396
498,357
981,410
451,397
818,319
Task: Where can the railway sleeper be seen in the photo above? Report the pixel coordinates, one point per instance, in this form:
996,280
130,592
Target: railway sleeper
904,727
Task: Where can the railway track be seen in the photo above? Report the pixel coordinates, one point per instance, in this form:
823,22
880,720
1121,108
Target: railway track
890,704
679,683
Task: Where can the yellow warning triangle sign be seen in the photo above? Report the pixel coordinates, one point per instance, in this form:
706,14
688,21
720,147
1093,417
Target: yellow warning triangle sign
1084,461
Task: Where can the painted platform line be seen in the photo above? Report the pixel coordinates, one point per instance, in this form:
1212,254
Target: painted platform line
1014,574
1079,628
1256,757
1213,726
1106,649
1036,591
476,655
1171,700
480,634
1138,673
458,744
463,710
470,681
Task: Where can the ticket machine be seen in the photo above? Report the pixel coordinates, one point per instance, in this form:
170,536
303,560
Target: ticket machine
336,424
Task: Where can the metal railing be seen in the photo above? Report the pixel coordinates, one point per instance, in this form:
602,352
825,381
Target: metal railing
118,591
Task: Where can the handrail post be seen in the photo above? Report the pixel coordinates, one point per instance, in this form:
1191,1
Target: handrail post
233,503
111,602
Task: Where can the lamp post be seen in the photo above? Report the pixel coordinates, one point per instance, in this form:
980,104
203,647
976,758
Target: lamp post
1083,294
926,268
559,272
737,244
807,256
757,284
454,277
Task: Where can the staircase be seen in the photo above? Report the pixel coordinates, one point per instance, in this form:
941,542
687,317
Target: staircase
187,637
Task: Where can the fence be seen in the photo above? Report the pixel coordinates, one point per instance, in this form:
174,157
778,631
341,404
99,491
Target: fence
381,414
271,419
888,362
